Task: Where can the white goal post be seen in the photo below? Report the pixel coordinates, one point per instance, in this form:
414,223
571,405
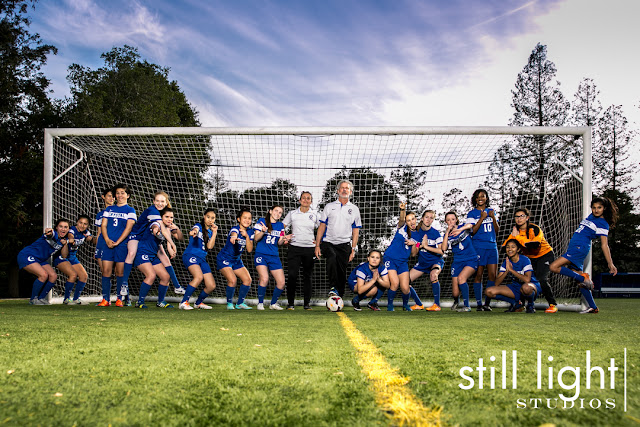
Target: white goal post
225,168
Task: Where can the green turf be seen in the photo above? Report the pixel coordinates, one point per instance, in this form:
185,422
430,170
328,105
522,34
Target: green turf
169,367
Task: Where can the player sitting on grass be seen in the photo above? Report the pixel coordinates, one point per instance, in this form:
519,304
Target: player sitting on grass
367,279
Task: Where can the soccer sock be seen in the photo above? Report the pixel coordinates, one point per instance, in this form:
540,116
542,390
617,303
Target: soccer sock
487,300
415,296
35,289
230,292
68,287
456,300
79,288
106,288
570,273
190,290
201,297
589,297
45,289
127,273
356,298
375,299
262,291
119,281
144,290
477,291
162,292
244,290
405,299
436,292
174,278
276,294
530,299
464,289
390,297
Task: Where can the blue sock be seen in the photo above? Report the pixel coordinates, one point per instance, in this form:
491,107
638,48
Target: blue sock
230,292
68,287
162,292
414,295
530,299
79,288
36,288
405,299
144,290
106,288
505,299
589,297
127,273
276,294
477,292
172,274
464,289
377,297
390,297
201,297
45,289
356,298
244,290
436,292
119,281
190,290
262,291
490,283
570,273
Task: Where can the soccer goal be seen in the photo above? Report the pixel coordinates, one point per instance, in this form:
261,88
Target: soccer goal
545,169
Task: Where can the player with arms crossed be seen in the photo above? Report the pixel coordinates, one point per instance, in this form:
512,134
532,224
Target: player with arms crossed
604,214
367,279
465,260
429,257
71,267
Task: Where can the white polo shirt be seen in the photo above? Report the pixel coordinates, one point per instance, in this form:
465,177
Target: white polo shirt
340,221
303,225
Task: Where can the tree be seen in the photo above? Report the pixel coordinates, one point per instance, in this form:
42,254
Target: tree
586,107
25,110
409,183
454,200
281,192
613,137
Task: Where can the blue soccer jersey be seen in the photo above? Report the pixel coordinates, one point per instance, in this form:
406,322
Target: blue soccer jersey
485,237
98,223
363,271
117,218
398,250
268,245
434,239
590,229
233,251
79,239
197,247
462,247
44,247
522,267
148,216
148,242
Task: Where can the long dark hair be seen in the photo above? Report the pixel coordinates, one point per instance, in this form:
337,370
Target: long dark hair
529,226
205,232
474,197
242,210
610,213
407,225
267,217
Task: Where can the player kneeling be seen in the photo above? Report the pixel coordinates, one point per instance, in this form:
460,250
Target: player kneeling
369,279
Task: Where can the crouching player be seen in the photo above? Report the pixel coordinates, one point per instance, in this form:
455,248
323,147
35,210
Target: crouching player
368,279
523,284
429,258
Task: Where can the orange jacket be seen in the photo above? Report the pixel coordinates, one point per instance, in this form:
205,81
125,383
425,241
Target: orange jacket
533,241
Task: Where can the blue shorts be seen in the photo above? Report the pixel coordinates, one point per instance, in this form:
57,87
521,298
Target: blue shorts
426,268
25,258
59,260
271,261
235,264
117,254
98,253
515,288
487,256
143,258
188,261
576,255
132,237
398,266
458,266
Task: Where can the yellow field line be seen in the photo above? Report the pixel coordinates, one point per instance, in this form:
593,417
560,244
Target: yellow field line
389,387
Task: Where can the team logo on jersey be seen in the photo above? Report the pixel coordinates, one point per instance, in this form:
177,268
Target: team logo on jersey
31,259
225,262
350,210
145,257
387,264
193,260
259,259
311,217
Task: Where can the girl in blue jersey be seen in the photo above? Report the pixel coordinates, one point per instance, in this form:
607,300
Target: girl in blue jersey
70,266
148,261
367,279
202,237
107,197
523,282
35,259
465,260
485,226
147,217
269,234
396,258
604,215
429,257
117,222
229,260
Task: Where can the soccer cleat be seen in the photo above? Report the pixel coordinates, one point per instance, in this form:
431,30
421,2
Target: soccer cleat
390,307
290,307
479,307
275,306
486,308
515,308
417,307
373,306
587,284
260,306
307,307
103,303
119,303
230,306
552,309
455,306
163,305
531,309
590,310
434,307
406,308
140,304
203,306
44,301
464,309
127,303
67,301
78,301
179,290
333,292
356,305
244,306
185,306
35,301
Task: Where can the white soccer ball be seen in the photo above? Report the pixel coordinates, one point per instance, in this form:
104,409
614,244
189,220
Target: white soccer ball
335,303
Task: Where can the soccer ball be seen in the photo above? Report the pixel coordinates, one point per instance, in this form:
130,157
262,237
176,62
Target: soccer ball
335,303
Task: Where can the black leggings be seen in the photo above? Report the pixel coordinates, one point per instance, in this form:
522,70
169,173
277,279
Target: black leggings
541,270
299,256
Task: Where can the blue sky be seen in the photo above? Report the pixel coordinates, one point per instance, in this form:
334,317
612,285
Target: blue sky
353,63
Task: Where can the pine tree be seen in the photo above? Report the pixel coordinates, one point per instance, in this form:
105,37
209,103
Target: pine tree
610,154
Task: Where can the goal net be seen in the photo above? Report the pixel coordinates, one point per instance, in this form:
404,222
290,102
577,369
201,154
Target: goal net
223,168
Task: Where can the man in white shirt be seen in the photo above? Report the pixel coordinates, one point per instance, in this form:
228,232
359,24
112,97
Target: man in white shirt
337,236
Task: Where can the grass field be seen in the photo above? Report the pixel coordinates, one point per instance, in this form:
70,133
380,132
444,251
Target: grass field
84,365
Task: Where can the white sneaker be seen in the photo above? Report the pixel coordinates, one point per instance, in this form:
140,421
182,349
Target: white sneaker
203,306
79,302
260,306
185,306
179,291
276,306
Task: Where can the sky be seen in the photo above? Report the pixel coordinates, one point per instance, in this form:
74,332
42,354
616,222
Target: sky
354,63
